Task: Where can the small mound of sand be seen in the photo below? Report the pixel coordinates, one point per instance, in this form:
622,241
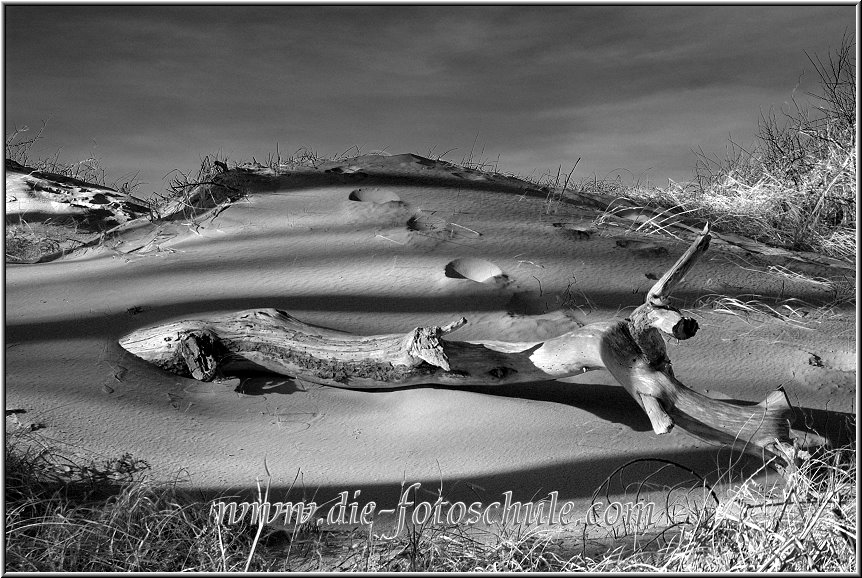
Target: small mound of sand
423,161
373,196
470,175
575,231
346,170
477,270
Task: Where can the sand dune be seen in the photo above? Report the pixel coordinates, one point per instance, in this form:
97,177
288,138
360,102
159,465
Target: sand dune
381,244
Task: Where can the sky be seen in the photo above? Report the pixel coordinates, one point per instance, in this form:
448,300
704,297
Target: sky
630,90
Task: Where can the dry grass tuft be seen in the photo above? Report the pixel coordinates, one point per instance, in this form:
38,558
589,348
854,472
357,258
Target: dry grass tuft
65,516
32,242
797,187
19,148
748,306
809,524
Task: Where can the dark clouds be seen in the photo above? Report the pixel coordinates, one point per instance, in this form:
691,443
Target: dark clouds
152,88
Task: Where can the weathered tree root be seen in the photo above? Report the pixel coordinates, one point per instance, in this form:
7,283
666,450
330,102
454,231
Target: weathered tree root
632,350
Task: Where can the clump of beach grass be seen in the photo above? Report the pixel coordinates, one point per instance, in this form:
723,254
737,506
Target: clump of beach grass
796,187
196,193
746,306
809,524
29,243
19,147
65,515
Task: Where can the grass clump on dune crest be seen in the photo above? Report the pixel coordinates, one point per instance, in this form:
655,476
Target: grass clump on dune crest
32,242
797,187
63,516
18,148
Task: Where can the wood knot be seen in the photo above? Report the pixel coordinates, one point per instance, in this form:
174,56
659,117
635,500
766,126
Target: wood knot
201,351
425,345
502,372
685,328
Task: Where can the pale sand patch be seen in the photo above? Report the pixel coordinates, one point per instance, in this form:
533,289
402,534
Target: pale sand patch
36,196
379,265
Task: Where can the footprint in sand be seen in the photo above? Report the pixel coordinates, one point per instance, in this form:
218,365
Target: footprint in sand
425,225
575,231
378,207
373,195
474,269
642,248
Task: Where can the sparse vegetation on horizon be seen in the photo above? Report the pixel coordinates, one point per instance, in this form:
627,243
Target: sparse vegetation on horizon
796,188
19,148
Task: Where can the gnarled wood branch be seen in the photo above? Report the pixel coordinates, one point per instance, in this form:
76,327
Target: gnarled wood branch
632,350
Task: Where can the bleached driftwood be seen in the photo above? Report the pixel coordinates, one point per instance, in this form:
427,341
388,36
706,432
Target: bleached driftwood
632,350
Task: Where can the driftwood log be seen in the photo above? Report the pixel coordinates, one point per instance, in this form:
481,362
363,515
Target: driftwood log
632,350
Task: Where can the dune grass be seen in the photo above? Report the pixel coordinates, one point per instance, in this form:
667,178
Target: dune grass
65,515
796,188
30,242
19,148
